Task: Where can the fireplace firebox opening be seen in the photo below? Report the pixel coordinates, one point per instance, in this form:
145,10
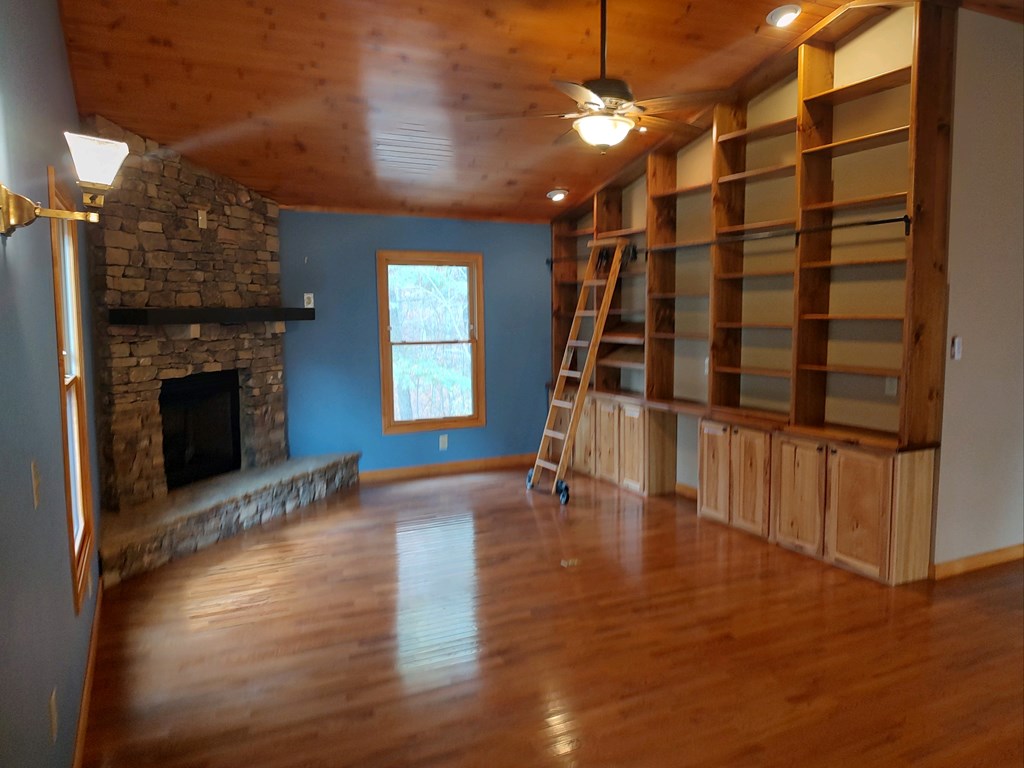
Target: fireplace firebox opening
200,426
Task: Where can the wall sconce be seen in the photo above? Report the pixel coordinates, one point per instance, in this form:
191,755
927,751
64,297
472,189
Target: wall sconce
97,162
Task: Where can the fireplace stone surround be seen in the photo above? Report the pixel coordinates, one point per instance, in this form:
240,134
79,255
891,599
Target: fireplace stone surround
174,235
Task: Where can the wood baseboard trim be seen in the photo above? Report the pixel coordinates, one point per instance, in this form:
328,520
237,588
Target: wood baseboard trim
90,665
375,476
977,562
686,491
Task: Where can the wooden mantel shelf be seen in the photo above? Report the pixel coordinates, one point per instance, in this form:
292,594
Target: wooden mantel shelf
193,315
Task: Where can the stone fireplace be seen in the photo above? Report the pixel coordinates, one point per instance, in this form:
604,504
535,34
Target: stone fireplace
174,236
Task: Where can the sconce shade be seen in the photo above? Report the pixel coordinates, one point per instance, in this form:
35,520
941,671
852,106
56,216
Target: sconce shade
97,161
603,130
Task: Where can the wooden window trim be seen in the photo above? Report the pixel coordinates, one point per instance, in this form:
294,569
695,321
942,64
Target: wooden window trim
81,556
474,261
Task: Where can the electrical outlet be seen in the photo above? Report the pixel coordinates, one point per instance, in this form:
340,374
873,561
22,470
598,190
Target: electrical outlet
53,715
892,386
203,221
35,485
307,300
442,443
707,365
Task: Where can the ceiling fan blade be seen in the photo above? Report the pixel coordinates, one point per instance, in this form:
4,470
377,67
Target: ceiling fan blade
681,100
670,126
579,93
516,115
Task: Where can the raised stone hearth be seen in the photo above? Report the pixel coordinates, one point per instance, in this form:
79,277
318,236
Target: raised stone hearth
196,516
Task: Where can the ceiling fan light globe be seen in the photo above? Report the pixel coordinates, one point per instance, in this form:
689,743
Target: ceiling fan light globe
603,130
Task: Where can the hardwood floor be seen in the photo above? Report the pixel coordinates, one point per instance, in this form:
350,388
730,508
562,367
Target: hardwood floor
463,621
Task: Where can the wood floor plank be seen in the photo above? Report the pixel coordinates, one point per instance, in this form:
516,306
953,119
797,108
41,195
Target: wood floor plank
465,621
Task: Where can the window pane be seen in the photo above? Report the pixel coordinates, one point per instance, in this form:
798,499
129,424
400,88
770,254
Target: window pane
432,381
428,302
71,311
74,465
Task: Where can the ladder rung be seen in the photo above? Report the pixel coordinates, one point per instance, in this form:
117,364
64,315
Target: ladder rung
587,313
561,404
579,343
554,434
570,374
594,283
547,465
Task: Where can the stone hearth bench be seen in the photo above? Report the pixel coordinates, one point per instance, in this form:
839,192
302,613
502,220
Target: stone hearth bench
188,519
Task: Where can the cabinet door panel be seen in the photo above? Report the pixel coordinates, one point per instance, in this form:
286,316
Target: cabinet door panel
859,508
713,490
749,472
631,448
798,495
606,448
583,444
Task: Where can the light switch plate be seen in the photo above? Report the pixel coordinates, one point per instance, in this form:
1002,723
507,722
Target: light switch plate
956,348
307,300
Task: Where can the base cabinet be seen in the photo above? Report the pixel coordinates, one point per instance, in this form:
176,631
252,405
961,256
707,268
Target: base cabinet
735,476
866,510
606,440
583,444
798,494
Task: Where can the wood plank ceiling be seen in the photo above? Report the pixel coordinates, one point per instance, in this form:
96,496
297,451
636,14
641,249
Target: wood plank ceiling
361,105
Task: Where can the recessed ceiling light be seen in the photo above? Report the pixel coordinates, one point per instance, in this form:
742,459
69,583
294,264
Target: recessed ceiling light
783,16
557,195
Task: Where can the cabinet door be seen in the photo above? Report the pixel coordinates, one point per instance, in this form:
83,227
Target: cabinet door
632,442
713,489
583,444
750,479
798,495
606,445
859,507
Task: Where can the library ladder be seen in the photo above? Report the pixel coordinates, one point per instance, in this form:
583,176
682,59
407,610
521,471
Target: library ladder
555,451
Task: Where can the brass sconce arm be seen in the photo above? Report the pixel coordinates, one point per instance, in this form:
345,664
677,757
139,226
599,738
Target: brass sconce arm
18,211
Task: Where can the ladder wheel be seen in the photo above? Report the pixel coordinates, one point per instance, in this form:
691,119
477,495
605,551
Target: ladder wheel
563,492
529,479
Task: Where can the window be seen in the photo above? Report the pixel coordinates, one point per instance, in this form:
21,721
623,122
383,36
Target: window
431,340
77,485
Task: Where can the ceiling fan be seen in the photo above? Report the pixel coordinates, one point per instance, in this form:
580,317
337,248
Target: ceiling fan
606,110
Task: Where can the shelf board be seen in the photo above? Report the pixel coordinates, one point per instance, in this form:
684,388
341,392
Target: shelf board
862,88
621,233
760,174
694,189
627,333
856,370
621,395
766,326
608,362
870,318
749,370
677,405
851,263
843,433
692,336
768,131
680,245
576,233
752,416
856,203
702,294
861,143
775,225
746,275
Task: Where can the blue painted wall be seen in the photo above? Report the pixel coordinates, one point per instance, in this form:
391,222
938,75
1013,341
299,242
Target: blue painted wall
332,365
43,644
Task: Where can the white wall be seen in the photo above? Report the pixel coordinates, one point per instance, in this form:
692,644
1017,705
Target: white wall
981,483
